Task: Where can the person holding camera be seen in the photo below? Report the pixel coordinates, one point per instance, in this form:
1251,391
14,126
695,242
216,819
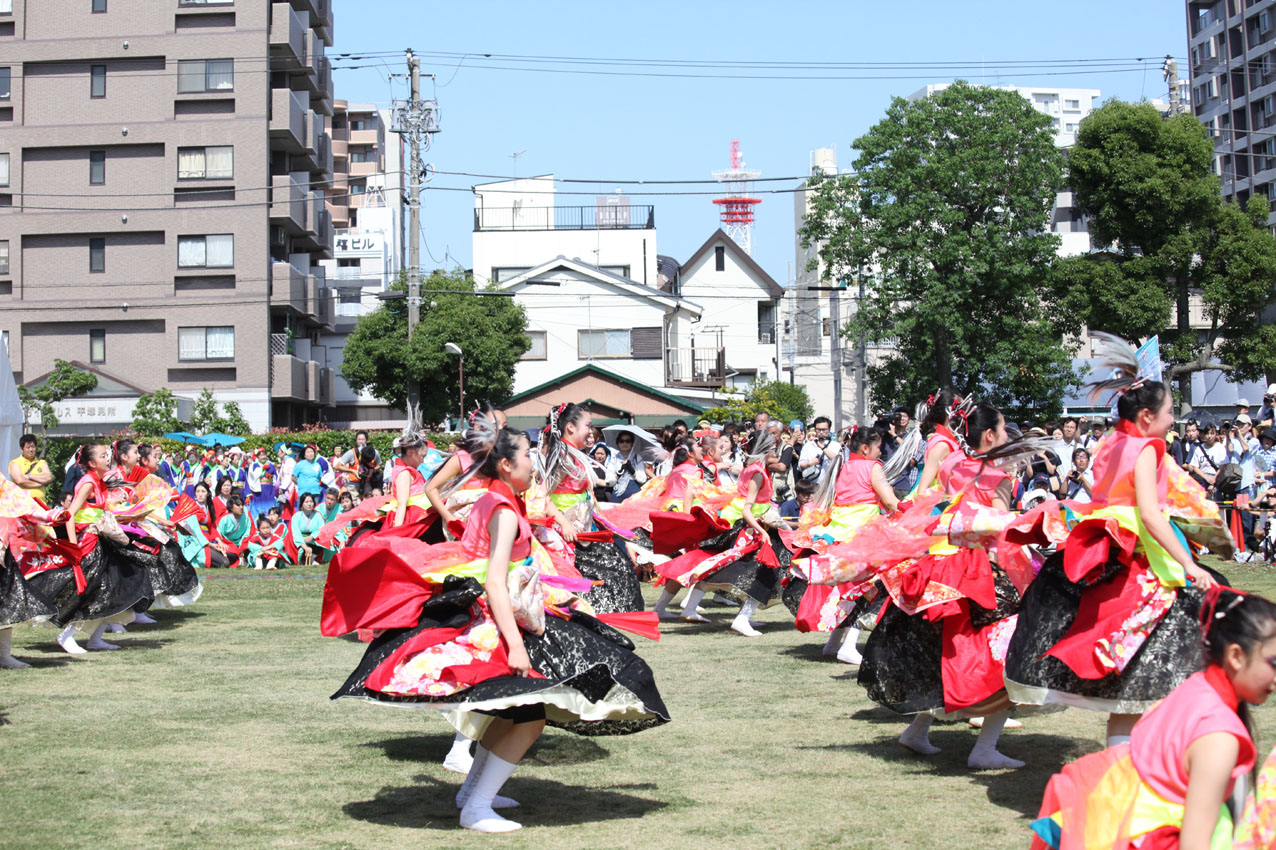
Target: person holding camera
1267,413
1079,481
818,451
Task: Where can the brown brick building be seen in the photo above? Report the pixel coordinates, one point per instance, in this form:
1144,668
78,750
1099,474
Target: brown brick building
163,168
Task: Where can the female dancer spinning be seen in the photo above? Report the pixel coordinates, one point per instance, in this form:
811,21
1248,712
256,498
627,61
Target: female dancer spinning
566,477
942,659
855,492
460,641
1109,624
739,555
1169,784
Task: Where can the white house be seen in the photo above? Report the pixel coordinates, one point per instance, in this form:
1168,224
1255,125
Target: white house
740,303
578,313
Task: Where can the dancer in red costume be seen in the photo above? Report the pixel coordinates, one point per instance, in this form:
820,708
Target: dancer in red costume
1109,624
855,492
467,633
1168,786
943,656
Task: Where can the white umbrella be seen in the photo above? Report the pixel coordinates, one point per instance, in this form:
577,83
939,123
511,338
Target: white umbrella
647,446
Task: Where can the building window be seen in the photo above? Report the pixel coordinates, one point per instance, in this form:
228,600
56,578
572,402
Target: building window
6,78
1072,104
200,75
500,274
97,254
97,345
216,251
4,169
358,188
720,259
206,163
603,343
6,7
214,343
99,6
623,271
4,256
97,168
97,80
358,123
363,155
766,322
537,351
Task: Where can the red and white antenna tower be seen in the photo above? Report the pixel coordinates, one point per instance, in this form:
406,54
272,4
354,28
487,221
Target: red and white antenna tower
737,207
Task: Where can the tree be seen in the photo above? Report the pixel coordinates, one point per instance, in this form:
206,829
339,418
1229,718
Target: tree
233,420
156,413
65,381
784,402
489,329
950,204
1147,185
204,416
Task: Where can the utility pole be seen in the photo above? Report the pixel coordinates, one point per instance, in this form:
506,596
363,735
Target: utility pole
835,354
417,119
414,239
861,363
1170,72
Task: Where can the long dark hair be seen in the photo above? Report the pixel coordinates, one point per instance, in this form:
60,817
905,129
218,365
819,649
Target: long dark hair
936,409
206,504
862,437
970,426
561,460
505,446
119,448
683,450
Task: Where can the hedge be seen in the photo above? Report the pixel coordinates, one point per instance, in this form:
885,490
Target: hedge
58,450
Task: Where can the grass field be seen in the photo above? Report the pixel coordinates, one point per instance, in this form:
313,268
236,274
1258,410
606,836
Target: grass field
213,728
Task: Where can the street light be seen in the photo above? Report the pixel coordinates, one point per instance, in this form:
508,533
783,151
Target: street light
453,348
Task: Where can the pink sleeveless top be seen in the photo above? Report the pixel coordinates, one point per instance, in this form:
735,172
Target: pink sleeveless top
855,481
942,437
764,492
1159,742
466,461
417,485
959,469
476,542
676,483
1113,467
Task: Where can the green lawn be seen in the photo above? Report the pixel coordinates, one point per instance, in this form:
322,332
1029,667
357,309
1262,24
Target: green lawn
213,728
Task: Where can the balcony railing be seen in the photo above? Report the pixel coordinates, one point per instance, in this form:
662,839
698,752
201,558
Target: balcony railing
596,217
695,367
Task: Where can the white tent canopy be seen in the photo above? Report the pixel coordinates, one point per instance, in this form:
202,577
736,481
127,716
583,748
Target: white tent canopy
10,412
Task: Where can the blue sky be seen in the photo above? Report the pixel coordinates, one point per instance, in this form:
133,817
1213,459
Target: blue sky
632,127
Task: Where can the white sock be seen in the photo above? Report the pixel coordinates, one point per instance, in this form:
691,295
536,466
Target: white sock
96,642
467,787
1115,740
850,653
477,814
741,624
143,618
917,736
66,640
985,756
458,759
835,640
689,605
666,597
115,629
7,661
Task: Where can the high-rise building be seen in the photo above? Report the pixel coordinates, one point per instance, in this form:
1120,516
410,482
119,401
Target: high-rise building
1232,72
366,203
163,165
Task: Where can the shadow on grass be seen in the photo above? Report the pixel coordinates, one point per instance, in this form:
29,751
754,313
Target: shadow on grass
166,619
1017,790
812,650
431,804
549,751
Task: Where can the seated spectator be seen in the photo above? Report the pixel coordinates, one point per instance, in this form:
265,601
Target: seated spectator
266,546
803,490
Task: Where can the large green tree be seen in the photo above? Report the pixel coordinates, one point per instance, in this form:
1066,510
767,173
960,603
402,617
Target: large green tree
156,413
65,381
782,401
490,330
947,217
1146,184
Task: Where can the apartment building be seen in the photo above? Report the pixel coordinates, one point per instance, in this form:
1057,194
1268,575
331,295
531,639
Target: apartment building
366,205
162,212
1232,72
